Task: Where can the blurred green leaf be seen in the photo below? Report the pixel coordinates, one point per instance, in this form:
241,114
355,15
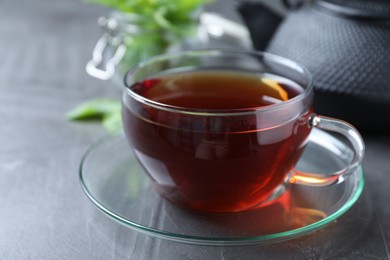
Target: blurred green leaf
108,111
113,122
96,108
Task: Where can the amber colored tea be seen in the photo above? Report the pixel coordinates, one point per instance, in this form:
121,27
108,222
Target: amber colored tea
214,163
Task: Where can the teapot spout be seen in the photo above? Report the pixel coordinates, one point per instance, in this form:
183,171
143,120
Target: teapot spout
261,21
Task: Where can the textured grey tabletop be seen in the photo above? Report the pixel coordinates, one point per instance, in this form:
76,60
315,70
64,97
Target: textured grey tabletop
44,214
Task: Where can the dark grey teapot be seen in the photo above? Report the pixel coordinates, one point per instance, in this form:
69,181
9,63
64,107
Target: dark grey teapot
346,46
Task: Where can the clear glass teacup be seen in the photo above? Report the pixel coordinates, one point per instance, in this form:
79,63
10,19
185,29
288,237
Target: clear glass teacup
222,131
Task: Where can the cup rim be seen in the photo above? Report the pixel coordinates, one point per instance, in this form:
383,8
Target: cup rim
220,112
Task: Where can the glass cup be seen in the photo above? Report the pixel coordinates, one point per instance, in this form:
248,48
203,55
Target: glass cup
225,159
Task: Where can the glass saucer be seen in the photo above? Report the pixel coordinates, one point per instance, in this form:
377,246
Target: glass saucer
115,182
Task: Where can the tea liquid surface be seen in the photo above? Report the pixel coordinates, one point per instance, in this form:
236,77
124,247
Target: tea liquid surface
217,89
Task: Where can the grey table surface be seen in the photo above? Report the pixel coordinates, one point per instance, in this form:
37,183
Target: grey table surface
44,214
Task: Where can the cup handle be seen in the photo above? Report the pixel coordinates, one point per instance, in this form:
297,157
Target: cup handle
343,128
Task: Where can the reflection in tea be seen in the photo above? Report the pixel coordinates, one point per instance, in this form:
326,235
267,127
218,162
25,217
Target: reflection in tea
214,163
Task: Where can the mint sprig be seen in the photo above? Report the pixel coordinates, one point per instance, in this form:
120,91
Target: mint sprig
166,22
163,13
